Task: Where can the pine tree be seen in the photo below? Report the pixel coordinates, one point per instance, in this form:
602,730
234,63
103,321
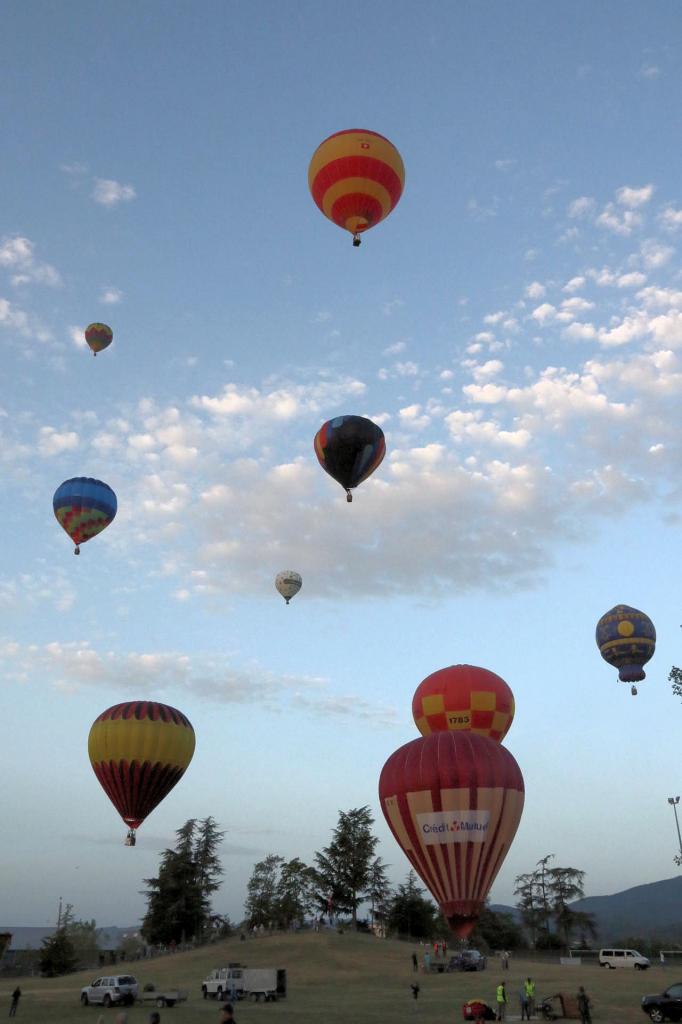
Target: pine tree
57,955
343,869
179,898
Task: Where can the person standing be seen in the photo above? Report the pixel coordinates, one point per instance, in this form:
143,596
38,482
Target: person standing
16,996
529,988
501,997
584,1006
661,957
525,1005
415,993
427,961
415,962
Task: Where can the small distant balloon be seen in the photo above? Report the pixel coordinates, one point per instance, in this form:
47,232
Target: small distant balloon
356,178
349,448
98,337
626,638
83,508
464,697
288,583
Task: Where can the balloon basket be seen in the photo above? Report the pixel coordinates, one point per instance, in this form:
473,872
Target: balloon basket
130,838
356,240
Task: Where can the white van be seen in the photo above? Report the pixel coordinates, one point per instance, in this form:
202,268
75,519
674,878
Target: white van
613,958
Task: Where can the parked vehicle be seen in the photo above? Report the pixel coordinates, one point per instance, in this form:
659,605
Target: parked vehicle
240,982
467,960
166,997
114,990
666,1006
613,958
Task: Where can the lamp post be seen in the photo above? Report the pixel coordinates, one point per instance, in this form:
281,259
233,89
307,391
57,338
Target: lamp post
674,801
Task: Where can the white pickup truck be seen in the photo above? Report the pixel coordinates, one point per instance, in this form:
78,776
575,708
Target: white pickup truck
240,982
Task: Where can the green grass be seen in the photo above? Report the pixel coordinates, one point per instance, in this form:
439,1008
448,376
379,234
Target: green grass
337,979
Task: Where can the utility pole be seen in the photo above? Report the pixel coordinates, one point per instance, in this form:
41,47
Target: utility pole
674,801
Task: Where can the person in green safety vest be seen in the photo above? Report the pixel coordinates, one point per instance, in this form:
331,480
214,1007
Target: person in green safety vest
529,989
501,996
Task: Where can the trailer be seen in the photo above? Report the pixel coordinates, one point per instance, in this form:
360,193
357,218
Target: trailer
167,997
241,982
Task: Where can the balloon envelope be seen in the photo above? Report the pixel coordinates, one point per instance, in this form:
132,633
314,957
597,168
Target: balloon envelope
464,697
288,583
98,337
626,638
453,802
356,177
84,507
349,448
139,750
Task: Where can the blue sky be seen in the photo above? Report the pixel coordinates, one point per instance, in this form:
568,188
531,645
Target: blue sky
516,328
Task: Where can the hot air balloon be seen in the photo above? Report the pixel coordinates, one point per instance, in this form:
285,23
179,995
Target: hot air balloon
464,697
626,638
139,750
356,177
288,583
98,337
453,801
349,448
84,507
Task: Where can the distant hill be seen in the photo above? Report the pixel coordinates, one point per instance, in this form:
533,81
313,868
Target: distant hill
646,911
653,910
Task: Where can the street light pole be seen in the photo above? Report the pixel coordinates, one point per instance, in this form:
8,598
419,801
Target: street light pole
674,801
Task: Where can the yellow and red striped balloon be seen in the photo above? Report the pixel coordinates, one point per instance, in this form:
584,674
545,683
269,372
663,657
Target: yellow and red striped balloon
356,177
139,750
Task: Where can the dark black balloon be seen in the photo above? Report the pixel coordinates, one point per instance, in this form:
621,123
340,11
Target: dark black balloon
350,448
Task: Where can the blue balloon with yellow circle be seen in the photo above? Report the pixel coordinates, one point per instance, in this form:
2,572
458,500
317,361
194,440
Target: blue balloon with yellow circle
626,638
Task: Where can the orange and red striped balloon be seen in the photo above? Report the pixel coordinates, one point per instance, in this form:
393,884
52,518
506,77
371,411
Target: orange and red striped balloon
453,801
356,177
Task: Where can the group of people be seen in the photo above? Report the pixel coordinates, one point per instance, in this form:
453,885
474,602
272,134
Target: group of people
527,1001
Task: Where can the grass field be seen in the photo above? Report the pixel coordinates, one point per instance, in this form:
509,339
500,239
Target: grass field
338,979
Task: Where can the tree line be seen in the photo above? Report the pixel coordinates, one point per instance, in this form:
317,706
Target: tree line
344,876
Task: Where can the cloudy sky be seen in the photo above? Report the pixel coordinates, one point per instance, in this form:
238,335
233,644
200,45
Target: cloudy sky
515,327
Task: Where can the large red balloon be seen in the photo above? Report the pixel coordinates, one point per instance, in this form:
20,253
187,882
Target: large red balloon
464,697
453,801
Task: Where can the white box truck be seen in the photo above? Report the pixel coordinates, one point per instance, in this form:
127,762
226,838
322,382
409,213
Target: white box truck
240,982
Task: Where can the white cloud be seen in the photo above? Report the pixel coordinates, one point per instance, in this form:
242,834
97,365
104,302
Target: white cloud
494,318
635,279
671,218
621,223
111,296
634,197
575,284
655,254
53,442
395,349
17,254
69,667
649,71
535,290
108,192
545,313
584,206
505,164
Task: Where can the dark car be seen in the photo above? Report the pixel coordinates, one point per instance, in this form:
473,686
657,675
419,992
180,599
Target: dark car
467,960
666,1006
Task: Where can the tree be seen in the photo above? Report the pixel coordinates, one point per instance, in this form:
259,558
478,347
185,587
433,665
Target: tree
380,893
179,898
261,892
496,930
566,885
545,896
410,913
294,892
343,869
57,955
